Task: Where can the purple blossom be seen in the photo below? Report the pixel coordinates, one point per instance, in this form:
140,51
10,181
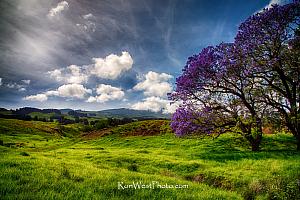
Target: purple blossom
229,84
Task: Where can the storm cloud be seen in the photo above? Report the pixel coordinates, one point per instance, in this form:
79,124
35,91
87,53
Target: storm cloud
90,54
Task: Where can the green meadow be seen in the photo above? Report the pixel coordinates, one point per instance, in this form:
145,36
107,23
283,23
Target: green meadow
45,160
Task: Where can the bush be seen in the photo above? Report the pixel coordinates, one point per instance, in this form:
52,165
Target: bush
87,128
133,167
24,154
101,124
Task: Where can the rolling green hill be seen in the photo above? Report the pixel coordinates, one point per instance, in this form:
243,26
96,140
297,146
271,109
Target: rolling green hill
70,114
49,161
129,113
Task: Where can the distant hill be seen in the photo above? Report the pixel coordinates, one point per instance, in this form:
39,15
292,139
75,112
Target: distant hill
65,111
70,113
121,113
27,110
130,113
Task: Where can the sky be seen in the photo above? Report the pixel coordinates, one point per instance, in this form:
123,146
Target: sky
103,54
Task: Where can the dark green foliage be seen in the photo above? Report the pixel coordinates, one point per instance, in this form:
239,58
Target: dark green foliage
24,154
133,167
100,124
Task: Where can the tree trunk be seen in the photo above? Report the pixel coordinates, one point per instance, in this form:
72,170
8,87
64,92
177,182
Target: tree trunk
298,142
254,141
253,138
258,135
255,146
297,134
295,131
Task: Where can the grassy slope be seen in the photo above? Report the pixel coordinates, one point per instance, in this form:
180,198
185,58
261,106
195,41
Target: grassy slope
41,115
49,165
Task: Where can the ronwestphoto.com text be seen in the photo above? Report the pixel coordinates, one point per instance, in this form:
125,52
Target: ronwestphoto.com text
151,185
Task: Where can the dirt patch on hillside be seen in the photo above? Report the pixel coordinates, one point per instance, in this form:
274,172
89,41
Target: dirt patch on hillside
95,134
140,128
144,128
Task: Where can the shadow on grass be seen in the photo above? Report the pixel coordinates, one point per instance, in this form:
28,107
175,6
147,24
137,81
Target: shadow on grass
233,148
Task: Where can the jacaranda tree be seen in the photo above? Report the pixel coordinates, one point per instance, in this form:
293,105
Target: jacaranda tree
234,86
269,41
217,96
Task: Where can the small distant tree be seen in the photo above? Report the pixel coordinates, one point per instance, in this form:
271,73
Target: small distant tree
84,121
27,118
77,119
101,124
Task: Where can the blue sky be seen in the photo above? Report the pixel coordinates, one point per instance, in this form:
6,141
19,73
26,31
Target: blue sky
95,55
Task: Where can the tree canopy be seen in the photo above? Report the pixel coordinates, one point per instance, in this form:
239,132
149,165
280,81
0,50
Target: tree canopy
235,86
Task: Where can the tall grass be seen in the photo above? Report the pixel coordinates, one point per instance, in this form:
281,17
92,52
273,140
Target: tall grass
52,166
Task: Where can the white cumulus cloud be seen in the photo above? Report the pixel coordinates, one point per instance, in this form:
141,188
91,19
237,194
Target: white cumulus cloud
26,81
155,84
88,16
52,93
37,97
88,23
58,9
272,2
279,2
106,93
76,75
171,107
156,104
72,74
13,85
73,90
69,90
112,66
22,89
57,74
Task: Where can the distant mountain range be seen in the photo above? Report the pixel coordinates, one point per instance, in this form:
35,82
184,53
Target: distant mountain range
110,113
130,113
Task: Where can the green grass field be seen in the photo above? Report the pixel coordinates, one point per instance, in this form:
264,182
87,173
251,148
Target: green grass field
46,161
